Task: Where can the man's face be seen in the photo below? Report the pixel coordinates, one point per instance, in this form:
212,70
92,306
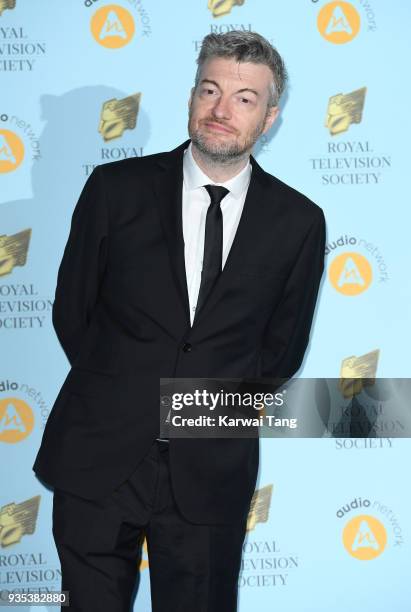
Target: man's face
228,110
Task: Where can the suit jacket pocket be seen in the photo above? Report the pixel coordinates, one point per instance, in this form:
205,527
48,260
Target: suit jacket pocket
90,382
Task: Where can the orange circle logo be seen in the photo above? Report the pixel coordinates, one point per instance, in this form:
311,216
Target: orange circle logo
350,273
338,22
11,151
364,537
16,420
112,26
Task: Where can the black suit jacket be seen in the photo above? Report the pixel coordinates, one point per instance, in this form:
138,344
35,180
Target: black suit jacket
121,313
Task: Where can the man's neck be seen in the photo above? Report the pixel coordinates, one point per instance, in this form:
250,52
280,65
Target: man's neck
217,172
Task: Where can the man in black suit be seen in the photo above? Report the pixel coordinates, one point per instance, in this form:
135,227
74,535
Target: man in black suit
192,263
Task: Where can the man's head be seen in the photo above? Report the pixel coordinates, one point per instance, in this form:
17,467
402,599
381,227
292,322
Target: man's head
240,78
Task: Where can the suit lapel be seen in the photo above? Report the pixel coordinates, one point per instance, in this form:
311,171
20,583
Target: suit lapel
168,186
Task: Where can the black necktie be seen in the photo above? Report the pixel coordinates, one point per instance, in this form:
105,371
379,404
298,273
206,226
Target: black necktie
213,243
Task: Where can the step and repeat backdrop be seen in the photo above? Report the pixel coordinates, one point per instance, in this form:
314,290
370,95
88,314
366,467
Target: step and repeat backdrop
87,82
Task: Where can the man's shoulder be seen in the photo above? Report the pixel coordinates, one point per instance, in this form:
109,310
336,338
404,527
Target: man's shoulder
291,199
133,166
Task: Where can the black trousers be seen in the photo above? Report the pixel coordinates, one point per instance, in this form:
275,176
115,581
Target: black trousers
192,567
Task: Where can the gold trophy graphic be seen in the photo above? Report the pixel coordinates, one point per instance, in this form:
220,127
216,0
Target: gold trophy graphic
17,520
259,507
357,373
119,115
7,4
223,7
13,251
345,109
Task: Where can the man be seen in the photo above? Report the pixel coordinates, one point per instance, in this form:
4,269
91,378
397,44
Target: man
193,263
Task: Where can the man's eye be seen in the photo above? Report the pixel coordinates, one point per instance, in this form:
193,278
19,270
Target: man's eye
245,100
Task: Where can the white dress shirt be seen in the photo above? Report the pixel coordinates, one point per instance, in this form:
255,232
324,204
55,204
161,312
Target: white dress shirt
195,204
196,201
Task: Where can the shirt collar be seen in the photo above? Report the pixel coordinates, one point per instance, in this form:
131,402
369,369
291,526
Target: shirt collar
194,177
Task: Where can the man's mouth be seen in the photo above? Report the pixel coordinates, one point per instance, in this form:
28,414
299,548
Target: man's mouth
217,127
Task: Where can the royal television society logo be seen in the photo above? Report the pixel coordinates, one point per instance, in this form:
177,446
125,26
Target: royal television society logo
21,305
118,116
348,162
7,5
113,26
13,251
22,570
219,8
356,265
358,374
18,520
368,407
365,533
18,53
263,563
344,110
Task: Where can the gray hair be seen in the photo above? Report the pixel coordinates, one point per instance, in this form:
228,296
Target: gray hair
245,46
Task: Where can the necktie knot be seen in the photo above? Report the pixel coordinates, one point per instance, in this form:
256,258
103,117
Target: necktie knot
216,193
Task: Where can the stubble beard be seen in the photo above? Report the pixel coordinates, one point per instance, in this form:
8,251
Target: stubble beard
224,153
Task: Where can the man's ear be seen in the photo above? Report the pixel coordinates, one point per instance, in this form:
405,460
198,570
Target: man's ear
270,118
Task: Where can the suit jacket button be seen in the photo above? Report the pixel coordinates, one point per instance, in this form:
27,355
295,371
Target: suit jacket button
187,347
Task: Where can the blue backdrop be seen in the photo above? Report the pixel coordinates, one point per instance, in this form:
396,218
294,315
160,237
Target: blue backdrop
90,81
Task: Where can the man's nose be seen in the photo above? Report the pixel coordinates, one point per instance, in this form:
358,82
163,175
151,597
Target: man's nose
222,108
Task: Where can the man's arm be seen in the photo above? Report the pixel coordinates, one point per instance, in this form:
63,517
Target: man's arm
287,333
82,266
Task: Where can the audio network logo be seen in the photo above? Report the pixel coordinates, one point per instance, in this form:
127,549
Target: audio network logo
350,272
114,26
16,420
364,535
16,414
16,136
17,520
11,151
219,8
338,22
